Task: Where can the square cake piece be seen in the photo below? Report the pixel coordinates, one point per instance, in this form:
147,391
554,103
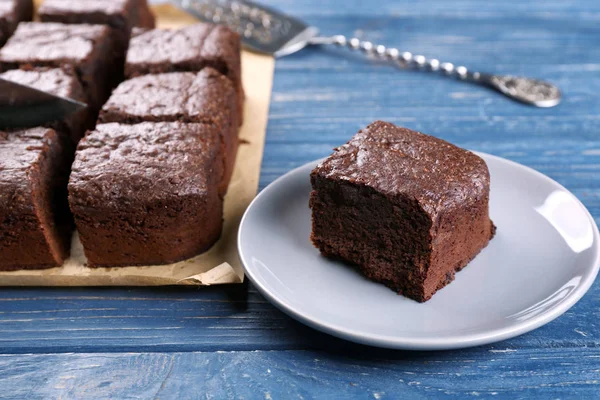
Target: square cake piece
147,194
60,83
205,97
121,15
409,210
11,13
88,49
35,222
188,49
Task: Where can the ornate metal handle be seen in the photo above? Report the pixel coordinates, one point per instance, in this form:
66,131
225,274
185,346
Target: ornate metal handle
526,90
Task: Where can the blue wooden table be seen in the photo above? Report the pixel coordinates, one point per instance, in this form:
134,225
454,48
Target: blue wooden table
228,342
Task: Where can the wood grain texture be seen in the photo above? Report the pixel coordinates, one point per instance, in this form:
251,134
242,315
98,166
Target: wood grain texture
321,97
469,8
522,373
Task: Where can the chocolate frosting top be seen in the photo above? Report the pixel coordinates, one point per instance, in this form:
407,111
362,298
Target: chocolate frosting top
127,165
397,161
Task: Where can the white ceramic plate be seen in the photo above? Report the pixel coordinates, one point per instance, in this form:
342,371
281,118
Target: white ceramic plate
543,259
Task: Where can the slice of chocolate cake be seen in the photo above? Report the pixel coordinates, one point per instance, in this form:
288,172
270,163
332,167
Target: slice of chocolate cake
188,49
87,49
205,97
147,193
35,222
409,210
120,15
59,82
11,13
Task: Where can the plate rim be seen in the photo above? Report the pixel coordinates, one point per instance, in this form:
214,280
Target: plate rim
435,343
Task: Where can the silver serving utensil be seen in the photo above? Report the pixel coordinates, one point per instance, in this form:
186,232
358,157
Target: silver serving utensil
268,31
22,106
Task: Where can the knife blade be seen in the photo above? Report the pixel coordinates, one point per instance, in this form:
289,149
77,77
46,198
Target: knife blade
23,106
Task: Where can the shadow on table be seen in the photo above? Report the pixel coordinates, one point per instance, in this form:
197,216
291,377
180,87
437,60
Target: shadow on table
340,348
257,324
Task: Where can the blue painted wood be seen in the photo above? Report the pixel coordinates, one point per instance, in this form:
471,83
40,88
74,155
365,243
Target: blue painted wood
499,373
549,10
320,98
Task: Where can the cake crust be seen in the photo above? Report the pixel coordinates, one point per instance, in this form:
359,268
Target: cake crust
188,49
11,13
86,49
35,223
206,97
59,82
120,15
147,194
408,209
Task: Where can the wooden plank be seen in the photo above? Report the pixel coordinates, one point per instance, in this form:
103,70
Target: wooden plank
112,320
503,372
549,9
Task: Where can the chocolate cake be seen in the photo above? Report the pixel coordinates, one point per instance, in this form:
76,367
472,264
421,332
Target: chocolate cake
409,210
145,18
11,13
121,15
205,97
60,83
88,49
35,223
147,193
188,49
118,14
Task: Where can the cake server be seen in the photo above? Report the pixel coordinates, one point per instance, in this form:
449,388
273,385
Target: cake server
22,106
268,31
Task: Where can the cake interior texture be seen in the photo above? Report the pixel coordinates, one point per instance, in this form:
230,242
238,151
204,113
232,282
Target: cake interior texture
35,221
407,209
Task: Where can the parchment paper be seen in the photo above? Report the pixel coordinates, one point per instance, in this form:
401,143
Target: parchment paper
221,263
